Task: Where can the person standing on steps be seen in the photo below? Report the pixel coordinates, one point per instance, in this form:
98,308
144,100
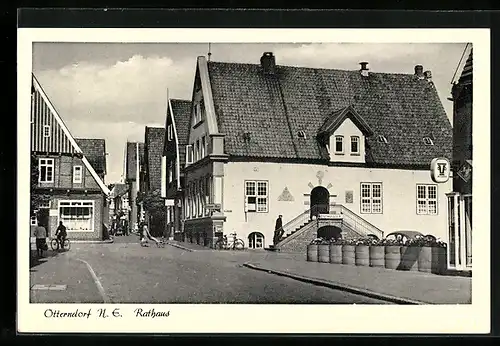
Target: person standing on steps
278,230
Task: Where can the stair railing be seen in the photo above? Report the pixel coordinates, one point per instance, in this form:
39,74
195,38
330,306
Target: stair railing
296,222
356,222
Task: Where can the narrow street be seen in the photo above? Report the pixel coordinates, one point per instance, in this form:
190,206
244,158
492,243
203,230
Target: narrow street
130,273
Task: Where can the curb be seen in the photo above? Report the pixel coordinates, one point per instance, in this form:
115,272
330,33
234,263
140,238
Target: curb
180,247
92,241
338,286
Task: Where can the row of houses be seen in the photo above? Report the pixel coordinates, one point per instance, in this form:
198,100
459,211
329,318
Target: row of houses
260,140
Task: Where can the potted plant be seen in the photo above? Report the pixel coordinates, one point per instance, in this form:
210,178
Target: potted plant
349,251
324,251
336,251
312,250
377,254
432,257
362,252
392,253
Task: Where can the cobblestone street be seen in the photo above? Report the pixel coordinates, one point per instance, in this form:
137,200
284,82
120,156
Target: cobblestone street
129,273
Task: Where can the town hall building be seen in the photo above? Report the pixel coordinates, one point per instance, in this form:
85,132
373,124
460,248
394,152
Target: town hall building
264,140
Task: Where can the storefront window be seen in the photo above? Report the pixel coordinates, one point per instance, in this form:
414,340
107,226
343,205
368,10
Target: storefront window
77,216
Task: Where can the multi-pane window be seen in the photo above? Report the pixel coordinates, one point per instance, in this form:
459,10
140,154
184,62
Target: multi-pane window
339,144
426,199
256,196
189,154
371,198
77,215
77,174
46,170
46,131
170,132
354,145
33,221
203,147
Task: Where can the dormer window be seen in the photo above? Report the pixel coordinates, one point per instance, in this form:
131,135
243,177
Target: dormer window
428,141
354,145
339,145
46,131
302,134
382,139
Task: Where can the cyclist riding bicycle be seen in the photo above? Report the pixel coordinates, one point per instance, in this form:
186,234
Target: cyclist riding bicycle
61,233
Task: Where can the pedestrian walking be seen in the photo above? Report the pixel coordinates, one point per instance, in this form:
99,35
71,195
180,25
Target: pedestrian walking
278,230
41,239
145,235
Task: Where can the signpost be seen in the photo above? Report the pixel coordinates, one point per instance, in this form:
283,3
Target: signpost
440,170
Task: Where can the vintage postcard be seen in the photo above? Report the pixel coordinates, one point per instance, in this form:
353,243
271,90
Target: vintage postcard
253,180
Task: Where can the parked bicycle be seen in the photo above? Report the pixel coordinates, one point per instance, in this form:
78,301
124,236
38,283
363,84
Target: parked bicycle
230,244
55,244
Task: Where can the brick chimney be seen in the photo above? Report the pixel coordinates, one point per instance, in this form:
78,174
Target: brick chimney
364,69
268,63
419,71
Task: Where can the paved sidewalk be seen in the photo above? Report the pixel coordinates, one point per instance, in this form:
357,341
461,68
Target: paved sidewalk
413,287
62,279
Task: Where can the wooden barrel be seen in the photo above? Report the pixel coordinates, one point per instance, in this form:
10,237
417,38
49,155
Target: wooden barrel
324,253
348,254
392,256
312,253
432,260
409,258
377,256
362,255
336,254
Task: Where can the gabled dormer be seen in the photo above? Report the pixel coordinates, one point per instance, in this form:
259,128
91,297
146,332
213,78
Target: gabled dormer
343,134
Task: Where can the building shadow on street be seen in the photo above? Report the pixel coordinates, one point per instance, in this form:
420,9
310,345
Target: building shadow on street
36,260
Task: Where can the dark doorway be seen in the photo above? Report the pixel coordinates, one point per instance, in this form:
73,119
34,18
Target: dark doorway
320,199
43,218
330,232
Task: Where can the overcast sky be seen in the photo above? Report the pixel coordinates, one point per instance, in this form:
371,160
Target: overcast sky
113,91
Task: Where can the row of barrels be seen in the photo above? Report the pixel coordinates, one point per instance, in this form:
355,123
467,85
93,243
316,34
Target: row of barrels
424,259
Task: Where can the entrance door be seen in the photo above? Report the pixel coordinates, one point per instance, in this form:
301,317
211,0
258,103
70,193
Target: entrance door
320,201
43,218
256,240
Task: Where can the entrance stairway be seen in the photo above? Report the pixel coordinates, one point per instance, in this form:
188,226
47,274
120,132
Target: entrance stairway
304,227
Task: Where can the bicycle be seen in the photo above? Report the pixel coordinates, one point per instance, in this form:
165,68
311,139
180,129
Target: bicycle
55,244
233,244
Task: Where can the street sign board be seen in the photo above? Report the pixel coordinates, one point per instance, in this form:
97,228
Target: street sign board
213,206
465,171
440,170
330,216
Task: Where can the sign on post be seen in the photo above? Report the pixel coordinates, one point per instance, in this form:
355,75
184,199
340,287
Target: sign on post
440,170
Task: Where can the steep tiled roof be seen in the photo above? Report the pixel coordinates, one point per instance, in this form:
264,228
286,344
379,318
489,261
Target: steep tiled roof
261,115
95,151
131,163
118,190
467,71
153,153
182,115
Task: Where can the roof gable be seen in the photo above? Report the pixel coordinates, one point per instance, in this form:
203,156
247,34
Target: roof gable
44,109
261,115
336,118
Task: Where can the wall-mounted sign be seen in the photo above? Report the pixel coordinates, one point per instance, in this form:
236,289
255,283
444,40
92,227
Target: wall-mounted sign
440,170
213,206
169,203
330,216
349,196
465,171
53,212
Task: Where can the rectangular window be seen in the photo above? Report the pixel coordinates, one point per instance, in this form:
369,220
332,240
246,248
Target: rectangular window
189,154
256,196
354,145
426,199
46,131
170,172
170,132
33,221
77,216
371,198
77,174
44,205
197,113
46,170
203,147
339,144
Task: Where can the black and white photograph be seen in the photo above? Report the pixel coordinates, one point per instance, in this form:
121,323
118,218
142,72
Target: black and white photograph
258,173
